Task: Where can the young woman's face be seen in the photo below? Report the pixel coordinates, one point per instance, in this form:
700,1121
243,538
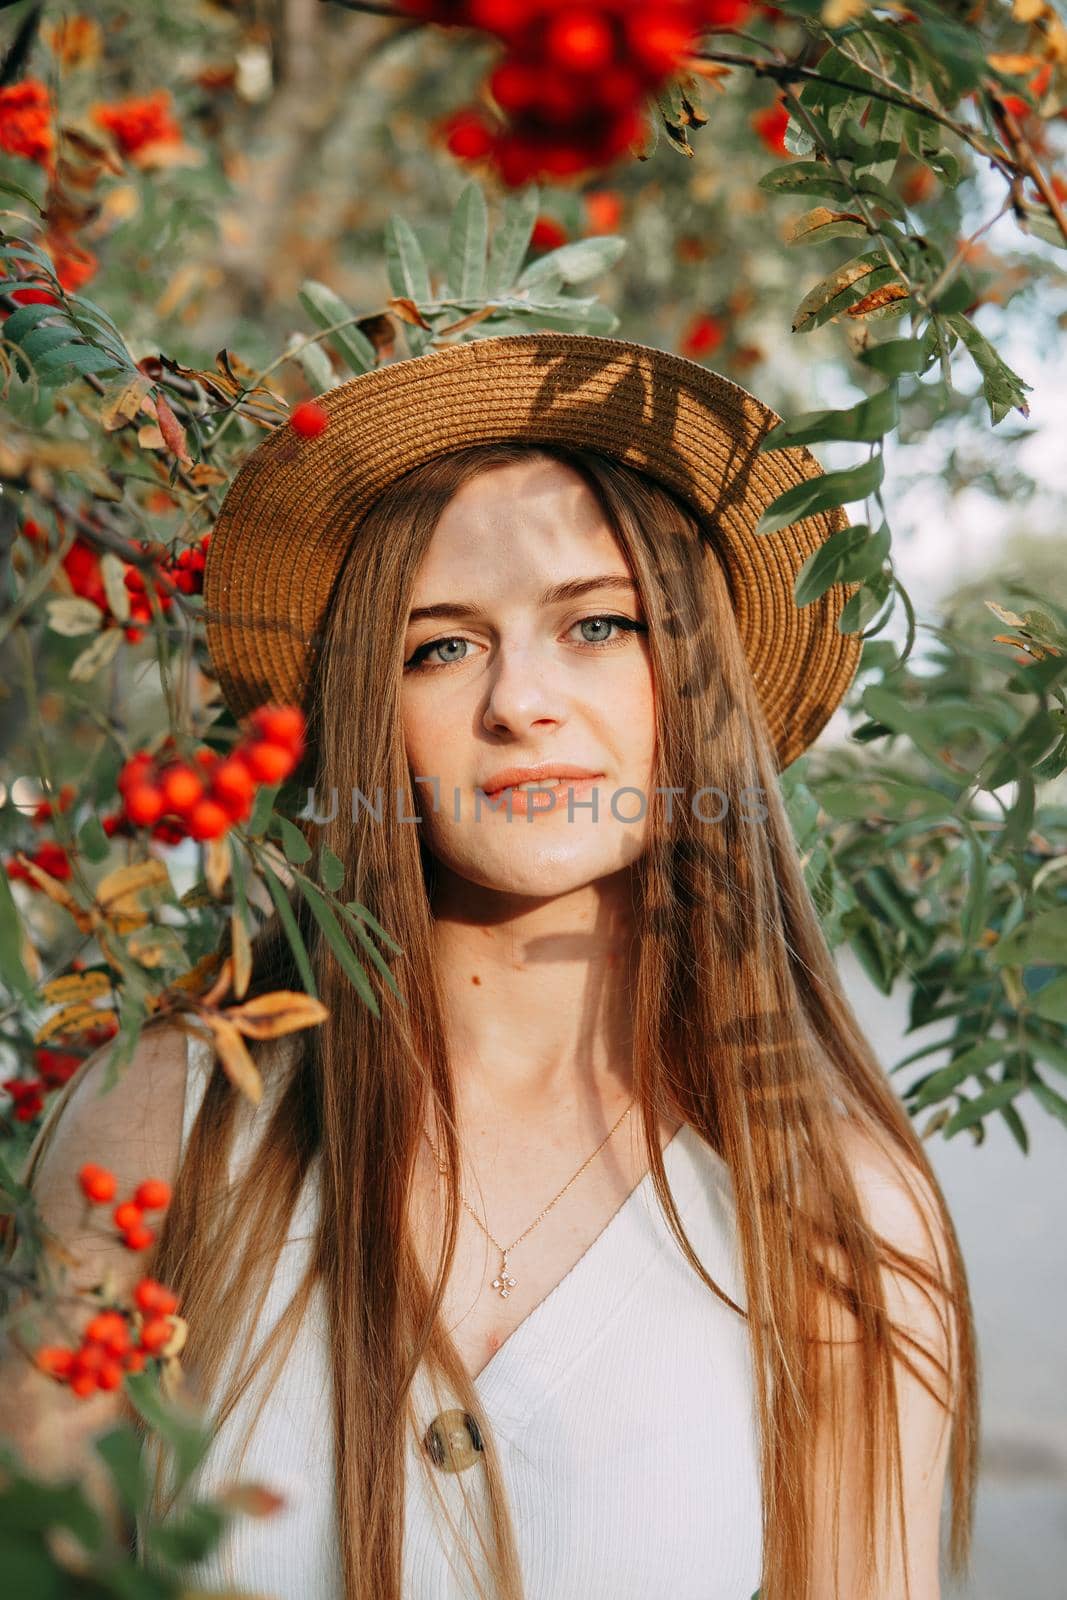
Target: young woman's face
506,676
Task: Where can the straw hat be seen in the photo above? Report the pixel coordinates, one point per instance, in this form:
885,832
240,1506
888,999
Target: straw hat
295,503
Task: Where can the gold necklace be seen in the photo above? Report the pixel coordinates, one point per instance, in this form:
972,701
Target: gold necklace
503,1282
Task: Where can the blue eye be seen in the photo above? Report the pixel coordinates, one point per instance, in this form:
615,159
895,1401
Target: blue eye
420,659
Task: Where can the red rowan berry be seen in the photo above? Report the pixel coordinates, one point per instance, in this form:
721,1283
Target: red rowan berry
268,762
134,1361
83,1384
284,725
110,1329
234,787
144,804
54,1359
155,1333
151,1295
309,419
137,1237
152,1195
182,788
208,819
110,1375
128,1214
98,1184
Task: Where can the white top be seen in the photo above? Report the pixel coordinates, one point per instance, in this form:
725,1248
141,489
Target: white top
623,1408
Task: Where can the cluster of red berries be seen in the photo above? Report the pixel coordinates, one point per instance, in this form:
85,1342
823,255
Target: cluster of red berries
99,1186
184,572
53,1067
211,792
49,855
118,1339
575,77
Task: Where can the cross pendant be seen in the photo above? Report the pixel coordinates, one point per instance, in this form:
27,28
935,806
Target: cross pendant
504,1283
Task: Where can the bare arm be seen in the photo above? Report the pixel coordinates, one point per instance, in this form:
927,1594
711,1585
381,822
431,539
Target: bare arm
895,1209
134,1129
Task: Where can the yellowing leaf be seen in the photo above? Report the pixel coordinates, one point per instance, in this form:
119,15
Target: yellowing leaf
268,1016
76,986
193,981
217,865
236,1061
89,662
241,947
124,895
122,403
56,891
74,1018
408,312
73,617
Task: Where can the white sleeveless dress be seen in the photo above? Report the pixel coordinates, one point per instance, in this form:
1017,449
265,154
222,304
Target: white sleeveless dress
623,1408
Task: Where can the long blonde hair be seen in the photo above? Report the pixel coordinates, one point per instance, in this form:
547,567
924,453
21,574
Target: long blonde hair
723,912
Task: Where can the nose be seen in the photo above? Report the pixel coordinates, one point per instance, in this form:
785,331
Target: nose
522,692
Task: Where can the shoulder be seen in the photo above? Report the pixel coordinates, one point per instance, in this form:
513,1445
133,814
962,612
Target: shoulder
125,1118
901,1203
899,1198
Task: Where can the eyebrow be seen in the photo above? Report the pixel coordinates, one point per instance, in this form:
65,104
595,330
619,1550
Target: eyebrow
573,589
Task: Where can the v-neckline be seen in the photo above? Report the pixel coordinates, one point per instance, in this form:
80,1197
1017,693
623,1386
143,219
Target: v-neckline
551,1300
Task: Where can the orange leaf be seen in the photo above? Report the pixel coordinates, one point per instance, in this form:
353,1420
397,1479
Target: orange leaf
268,1016
877,299
172,430
408,311
236,1061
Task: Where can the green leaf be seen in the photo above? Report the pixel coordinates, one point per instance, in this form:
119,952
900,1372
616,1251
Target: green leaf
335,938
1050,1099
297,850
9,186
512,240
847,556
261,810
120,1450
354,907
972,1111
409,276
191,1537
1050,1000
895,356
188,1437
324,307
1040,942
804,177
947,1079
12,971
93,842
1003,388
870,419
72,361
331,869
821,493
865,604
575,262
356,924
292,931
468,236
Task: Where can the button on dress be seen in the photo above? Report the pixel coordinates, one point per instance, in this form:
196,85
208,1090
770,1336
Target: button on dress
623,1408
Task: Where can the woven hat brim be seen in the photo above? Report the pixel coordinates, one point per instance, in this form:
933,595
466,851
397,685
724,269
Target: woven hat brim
291,511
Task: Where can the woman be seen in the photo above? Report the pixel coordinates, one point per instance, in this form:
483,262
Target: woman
444,1311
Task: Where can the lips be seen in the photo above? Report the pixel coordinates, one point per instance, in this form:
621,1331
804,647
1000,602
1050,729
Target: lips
546,773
